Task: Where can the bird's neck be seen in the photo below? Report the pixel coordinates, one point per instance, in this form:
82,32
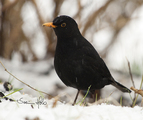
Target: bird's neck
69,41
66,46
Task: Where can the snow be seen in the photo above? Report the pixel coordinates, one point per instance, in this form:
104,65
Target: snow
17,111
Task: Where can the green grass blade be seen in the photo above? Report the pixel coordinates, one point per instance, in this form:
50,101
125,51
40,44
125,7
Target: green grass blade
11,93
85,95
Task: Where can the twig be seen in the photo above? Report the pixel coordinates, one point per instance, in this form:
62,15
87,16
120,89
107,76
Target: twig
9,5
130,73
24,82
91,18
137,91
132,82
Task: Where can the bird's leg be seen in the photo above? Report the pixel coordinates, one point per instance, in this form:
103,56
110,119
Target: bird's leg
76,97
95,95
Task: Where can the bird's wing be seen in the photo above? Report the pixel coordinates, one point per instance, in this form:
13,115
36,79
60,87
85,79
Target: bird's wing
90,61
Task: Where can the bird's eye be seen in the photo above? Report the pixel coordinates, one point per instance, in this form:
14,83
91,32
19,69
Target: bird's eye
63,25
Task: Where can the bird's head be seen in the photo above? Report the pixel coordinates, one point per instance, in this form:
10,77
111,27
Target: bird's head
64,26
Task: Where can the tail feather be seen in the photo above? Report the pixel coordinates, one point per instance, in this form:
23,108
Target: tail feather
121,87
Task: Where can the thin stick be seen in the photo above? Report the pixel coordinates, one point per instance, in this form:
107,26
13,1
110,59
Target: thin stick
135,90
130,73
131,80
24,82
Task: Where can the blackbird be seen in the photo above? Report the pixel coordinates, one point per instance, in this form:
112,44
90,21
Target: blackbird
76,61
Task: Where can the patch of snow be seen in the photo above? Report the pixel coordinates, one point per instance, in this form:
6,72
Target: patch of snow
14,110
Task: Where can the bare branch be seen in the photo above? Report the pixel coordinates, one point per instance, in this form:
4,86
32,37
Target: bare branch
93,16
9,5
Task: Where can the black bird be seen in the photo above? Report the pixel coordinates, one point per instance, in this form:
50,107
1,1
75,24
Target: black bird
76,61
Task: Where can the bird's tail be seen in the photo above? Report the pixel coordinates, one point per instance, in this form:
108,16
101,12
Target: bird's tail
120,87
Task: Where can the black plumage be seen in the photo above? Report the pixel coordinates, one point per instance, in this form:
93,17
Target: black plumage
76,62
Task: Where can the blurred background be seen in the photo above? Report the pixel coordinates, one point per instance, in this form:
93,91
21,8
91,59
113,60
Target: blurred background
114,28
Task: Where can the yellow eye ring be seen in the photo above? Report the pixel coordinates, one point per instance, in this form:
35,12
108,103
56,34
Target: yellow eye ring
63,25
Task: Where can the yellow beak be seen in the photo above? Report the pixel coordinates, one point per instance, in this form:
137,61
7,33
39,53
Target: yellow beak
50,24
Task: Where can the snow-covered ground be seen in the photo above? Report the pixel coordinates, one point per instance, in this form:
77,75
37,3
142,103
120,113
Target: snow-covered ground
20,110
